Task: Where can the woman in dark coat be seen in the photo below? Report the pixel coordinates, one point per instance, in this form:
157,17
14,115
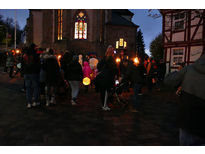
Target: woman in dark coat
105,80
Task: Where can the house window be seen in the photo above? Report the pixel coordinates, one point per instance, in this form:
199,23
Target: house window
179,16
80,26
178,52
179,25
177,60
178,55
60,24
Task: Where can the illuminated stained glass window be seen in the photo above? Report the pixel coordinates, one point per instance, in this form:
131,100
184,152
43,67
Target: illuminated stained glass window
80,26
60,24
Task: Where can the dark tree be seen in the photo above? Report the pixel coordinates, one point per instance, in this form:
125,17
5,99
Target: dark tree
8,25
140,46
156,47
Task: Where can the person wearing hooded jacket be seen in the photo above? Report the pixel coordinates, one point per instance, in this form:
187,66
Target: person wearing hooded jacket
191,114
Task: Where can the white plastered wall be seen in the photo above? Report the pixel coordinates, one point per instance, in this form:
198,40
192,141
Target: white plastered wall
178,36
196,52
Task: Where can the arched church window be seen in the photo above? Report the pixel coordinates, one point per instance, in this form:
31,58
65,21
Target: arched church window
60,24
80,26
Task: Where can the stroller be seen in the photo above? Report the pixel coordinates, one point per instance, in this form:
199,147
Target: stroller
116,92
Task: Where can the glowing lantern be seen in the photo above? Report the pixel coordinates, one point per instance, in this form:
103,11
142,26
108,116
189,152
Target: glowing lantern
117,82
17,51
117,60
59,57
136,60
86,81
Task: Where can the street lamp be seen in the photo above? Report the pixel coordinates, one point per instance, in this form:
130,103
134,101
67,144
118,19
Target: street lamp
6,36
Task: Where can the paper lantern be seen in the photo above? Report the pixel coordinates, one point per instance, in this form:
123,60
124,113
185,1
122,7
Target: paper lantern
86,81
136,60
17,51
59,57
118,60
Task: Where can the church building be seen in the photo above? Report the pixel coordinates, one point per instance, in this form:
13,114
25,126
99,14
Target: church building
83,30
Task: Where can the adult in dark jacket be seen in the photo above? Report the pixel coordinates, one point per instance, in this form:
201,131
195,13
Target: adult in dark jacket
191,115
65,61
31,67
105,80
151,73
52,71
74,77
134,74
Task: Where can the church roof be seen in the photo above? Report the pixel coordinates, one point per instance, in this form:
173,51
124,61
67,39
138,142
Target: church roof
123,12
117,18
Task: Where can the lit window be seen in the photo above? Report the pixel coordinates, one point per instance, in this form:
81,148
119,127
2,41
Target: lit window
117,44
125,44
60,24
121,42
80,26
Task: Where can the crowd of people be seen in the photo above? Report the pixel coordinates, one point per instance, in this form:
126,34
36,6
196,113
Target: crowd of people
44,72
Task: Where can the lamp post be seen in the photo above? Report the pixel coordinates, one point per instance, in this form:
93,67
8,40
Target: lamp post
15,33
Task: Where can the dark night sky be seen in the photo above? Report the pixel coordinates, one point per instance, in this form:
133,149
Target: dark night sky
150,27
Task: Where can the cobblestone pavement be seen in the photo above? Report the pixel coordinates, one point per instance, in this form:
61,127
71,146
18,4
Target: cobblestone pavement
85,124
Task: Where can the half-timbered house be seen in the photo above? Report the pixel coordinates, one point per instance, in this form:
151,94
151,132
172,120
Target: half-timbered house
183,36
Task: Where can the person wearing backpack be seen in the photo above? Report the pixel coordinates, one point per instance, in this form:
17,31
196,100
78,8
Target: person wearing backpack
31,65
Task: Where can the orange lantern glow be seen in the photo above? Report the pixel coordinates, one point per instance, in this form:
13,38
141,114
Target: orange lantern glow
17,51
59,57
86,81
136,60
117,60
